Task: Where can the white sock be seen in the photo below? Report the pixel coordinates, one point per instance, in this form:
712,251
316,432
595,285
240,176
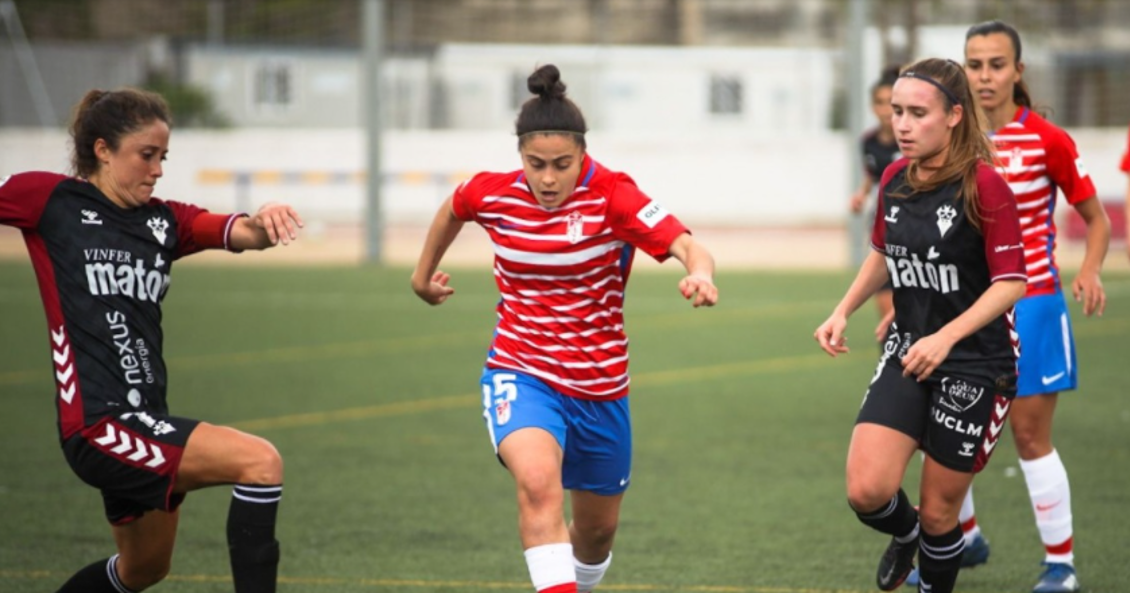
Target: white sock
589,575
1051,502
551,566
969,527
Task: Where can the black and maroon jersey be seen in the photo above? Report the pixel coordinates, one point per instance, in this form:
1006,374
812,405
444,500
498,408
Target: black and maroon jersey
103,271
877,155
940,264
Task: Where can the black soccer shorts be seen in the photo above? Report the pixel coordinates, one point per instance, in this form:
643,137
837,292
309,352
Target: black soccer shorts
133,459
956,420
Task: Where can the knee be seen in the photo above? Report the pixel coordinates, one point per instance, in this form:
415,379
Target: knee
866,498
264,465
598,534
141,576
541,491
1029,444
938,519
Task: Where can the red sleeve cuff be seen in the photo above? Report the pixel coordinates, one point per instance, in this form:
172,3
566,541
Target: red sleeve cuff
213,231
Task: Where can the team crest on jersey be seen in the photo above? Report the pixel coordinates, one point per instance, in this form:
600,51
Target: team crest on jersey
575,227
946,214
158,225
1016,160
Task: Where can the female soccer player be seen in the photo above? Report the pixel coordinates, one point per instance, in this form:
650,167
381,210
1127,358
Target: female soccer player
879,150
947,237
102,248
555,386
1036,158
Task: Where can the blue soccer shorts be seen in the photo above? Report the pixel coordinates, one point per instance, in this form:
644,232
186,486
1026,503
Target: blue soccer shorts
1047,346
595,435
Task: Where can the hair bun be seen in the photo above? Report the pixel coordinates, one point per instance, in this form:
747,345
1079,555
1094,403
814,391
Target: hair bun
546,83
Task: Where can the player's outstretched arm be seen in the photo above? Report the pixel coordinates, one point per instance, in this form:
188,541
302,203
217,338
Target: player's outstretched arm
1088,284
272,224
872,274
429,283
698,285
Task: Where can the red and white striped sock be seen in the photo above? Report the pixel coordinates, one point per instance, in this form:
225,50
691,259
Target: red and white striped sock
551,568
1051,501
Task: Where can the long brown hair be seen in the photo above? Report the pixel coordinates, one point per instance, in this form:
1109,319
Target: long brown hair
969,146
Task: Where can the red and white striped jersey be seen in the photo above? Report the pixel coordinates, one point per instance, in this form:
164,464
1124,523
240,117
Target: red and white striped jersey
1036,158
562,273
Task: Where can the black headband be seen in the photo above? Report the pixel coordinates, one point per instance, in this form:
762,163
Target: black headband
948,93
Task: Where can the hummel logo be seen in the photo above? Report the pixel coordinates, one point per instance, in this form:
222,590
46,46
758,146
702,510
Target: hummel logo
933,253
893,216
90,217
1053,378
966,449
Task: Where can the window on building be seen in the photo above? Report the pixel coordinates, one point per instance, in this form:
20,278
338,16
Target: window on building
273,85
725,94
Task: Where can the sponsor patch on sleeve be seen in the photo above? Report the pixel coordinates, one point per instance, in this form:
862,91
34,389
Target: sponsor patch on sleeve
1079,167
652,214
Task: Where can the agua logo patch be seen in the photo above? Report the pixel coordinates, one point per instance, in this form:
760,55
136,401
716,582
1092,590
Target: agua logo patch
959,395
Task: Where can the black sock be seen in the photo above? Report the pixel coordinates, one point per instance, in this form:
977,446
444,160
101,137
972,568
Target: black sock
897,518
939,560
251,537
100,577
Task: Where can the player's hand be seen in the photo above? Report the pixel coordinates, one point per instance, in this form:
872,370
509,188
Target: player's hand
700,290
280,222
1088,288
830,335
926,355
858,199
434,291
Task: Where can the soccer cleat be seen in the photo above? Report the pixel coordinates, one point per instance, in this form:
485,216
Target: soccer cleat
1057,578
976,554
896,564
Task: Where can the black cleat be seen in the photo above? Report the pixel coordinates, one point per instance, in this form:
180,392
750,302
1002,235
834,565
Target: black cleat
896,564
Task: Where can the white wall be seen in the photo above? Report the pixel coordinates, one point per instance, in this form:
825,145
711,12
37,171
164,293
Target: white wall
716,178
